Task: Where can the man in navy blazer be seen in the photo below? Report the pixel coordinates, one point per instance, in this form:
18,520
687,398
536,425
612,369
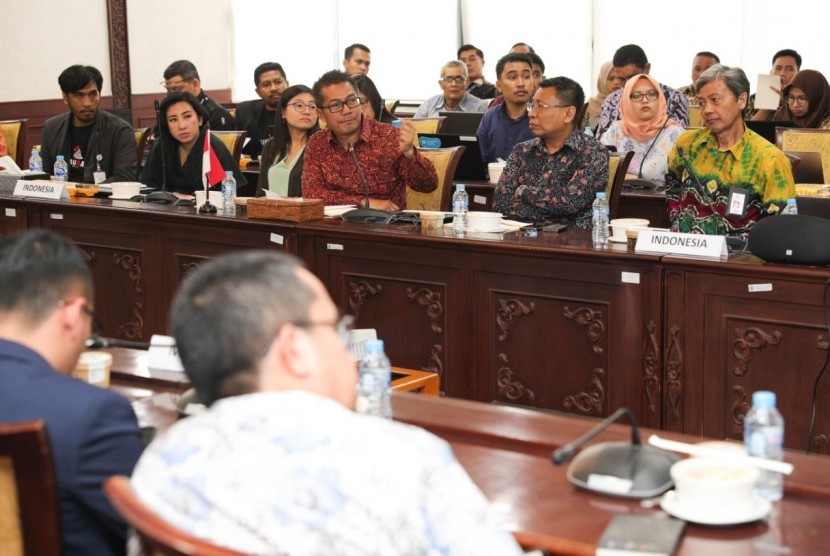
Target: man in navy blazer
45,317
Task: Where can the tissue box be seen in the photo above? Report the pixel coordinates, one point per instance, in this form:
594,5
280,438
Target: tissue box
278,209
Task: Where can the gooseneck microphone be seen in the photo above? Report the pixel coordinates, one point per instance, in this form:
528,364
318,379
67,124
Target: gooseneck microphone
366,214
161,146
97,342
566,452
625,469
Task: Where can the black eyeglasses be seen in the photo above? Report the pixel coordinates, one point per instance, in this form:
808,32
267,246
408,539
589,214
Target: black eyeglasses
337,105
343,326
640,96
457,79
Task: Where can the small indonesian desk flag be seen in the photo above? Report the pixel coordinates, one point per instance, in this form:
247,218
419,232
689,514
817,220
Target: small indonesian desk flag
212,171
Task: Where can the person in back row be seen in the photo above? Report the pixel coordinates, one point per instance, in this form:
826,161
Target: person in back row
701,62
630,60
455,97
724,177
98,147
477,86
46,316
553,178
370,100
356,156
356,59
258,117
506,125
807,101
785,64
182,77
281,463
175,162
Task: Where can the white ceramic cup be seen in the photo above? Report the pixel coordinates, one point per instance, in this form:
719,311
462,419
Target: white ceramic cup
125,190
714,484
495,169
215,198
94,367
620,225
479,221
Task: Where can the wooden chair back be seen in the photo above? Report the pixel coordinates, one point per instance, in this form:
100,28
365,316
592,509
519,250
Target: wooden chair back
29,510
427,125
234,141
803,139
617,167
158,537
445,161
141,136
15,133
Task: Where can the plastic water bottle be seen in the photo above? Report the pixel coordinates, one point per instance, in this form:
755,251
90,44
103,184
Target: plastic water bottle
599,233
764,438
61,169
375,389
229,194
791,207
460,206
35,162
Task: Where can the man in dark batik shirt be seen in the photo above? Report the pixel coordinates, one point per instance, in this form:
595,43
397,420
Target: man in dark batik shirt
554,177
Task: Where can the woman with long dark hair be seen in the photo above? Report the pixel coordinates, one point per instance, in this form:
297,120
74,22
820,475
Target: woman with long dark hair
176,157
281,168
370,100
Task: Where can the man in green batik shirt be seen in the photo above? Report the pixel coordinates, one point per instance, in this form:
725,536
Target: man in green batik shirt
721,179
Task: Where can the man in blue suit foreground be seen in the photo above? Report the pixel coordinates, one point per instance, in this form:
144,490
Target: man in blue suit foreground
45,318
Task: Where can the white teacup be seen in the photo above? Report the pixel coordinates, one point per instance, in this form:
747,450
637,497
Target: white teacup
215,198
619,227
479,221
495,169
94,367
125,189
714,484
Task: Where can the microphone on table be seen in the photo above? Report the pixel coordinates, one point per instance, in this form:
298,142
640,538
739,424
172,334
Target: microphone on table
96,342
626,469
366,214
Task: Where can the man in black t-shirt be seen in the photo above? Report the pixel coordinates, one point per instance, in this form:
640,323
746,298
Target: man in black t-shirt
98,146
257,117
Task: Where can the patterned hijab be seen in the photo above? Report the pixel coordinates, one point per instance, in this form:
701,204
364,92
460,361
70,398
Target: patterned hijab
633,126
816,88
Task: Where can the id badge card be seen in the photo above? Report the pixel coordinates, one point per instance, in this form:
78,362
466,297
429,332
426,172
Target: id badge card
738,199
99,177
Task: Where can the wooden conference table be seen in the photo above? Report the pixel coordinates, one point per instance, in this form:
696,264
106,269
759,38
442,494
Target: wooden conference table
548,322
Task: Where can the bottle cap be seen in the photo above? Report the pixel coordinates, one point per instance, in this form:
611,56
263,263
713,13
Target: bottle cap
764,399
459,187
790,201
59,157
373,346
229,174
600,194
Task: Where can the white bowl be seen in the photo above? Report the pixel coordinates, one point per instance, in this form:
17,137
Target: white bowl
479,221
125,189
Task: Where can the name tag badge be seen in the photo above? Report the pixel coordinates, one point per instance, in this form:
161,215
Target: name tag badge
99,177
737,201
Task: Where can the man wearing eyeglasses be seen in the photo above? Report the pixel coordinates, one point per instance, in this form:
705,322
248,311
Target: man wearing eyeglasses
553,178
455,97
45,319
355,154
281,463
182,77
257,117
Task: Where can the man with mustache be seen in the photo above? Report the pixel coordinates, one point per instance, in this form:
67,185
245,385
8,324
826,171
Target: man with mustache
97,146
257,117
454,97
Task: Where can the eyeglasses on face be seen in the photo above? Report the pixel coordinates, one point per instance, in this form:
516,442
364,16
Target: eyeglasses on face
640,96
800,99
303,107
531,106
176,86
337,105
450,79
343,326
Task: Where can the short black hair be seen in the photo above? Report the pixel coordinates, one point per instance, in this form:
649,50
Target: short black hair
536,60
265,68
630,54
183,68
708,54
523,44
38,269
788,52
228,311
173,98
333,77
74,78
349,52
568,91
466,47
507,58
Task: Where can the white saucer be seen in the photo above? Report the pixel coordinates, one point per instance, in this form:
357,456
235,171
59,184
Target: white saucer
759,509
114,198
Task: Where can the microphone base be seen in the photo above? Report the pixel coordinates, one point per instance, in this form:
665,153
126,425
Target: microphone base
207,208
368,216
623,469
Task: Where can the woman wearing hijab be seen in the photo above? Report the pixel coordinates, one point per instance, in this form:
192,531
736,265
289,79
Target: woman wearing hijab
644,128
605,86
175,160
807,101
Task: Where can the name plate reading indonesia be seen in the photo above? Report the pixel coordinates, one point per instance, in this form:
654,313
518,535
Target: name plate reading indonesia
43,189
695,245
